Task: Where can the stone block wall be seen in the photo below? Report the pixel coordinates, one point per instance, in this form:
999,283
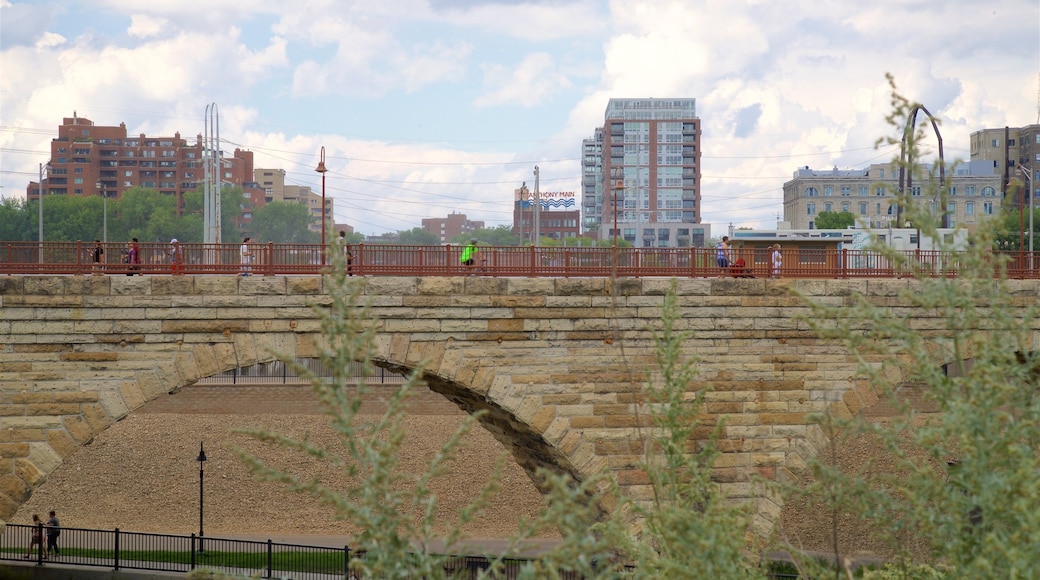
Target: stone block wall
559,365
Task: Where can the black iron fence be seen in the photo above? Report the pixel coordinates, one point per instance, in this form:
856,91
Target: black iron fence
277,372
120,550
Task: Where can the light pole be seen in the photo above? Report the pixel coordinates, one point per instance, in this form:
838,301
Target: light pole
1029,178
322,170
104,204
39,203
537,211
201,459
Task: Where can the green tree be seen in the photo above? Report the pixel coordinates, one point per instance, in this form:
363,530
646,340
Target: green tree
418,237
351,237
958,489
500,236
383,499
831,220
16,220
1012,229
284,223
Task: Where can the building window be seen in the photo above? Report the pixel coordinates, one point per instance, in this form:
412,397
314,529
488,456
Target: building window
987,208
988,191
862,191
828,207
969,190
969,208
953,191
863,208
994,143
810,208
845,206
811,192
846,190
879,191
828,191
915,191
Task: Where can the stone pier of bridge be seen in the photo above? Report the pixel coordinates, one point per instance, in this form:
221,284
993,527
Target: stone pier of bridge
559,365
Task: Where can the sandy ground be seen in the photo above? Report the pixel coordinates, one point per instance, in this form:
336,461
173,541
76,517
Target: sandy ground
141,474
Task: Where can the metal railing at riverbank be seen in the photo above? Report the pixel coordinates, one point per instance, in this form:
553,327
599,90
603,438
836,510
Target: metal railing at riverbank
121,550
75,258
279,373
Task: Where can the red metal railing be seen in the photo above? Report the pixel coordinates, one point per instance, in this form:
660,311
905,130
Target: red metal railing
75,258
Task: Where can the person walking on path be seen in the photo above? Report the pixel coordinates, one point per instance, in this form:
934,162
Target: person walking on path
176,257
36,540
469,253
723,253
246,257
133,258
97,253
348,256
53,531
777,259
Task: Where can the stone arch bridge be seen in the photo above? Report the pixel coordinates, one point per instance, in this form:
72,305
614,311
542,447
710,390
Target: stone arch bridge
548,358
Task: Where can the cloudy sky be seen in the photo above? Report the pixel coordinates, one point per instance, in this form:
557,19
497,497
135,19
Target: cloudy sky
426,107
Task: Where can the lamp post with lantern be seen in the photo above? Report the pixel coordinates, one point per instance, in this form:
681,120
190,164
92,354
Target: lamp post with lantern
322,170
201,459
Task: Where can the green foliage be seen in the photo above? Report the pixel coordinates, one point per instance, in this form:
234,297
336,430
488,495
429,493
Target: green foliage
962,492
695,531
1012,229
382,499
284,223
351,238
500,236
16,220
418,237
831,220
142,213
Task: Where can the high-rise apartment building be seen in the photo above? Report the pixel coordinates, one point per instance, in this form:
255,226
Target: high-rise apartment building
973,194
592,183
1013,152
88,159
642,171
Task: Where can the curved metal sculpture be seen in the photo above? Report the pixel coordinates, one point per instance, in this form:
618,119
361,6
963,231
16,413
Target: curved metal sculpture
906,159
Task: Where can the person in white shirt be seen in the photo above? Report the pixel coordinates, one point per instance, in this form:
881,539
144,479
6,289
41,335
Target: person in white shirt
778,260
246,257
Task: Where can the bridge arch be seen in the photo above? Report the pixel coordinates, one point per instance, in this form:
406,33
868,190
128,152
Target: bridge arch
550,359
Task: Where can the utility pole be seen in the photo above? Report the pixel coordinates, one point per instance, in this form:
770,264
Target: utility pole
211,181
537,210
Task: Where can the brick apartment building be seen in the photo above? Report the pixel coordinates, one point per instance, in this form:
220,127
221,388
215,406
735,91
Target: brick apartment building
446,228
89,159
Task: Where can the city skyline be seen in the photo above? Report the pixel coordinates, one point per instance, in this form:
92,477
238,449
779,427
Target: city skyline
430,107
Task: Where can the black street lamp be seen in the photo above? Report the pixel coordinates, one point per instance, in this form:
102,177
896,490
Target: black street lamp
201,459
321,169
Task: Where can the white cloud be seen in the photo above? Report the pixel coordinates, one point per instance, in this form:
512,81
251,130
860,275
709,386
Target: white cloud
535,80
778,86
144,26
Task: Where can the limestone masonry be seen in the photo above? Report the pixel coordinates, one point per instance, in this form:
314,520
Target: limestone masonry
558,364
